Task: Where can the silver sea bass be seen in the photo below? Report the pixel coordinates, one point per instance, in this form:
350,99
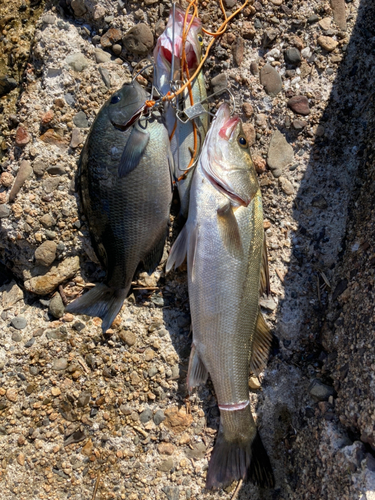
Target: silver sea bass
126,189
182,134
227,267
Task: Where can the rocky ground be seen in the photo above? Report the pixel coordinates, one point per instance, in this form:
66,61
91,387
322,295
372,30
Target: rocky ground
86,416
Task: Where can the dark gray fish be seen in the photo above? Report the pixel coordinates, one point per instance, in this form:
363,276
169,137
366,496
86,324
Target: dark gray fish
126,188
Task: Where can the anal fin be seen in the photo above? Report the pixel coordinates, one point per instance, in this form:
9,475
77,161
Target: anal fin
261,345
197,372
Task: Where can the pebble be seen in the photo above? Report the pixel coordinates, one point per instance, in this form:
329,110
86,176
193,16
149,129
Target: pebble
105,76
198,451
16,337
12,395
76,139
320,391
24,172
50,184
59,364
56,170
299,124
172,492
139,40
56,307
39,167
48,19
165,448
177,421
248,31
268,303
299,104
7,85
42,285
293,56
269,37
78,62
45,254
166,465
327,43
219,82
22,136
280,152
286,185
6,179
339,14
271,80
11,295
19,322
80,120
238,51
145,416
159,417
79,7
128,337
113,35
277,173
101,56
69,99
247,109
325,23
4,211
149,354
88,448
254,68
117,49
314,18
259,164
21,459
52,137
250,133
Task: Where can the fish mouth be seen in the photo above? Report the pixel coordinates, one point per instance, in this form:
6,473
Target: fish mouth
224,189
191,56
228,128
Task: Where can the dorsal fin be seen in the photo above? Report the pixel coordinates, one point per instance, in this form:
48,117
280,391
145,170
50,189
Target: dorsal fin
261,345
264,271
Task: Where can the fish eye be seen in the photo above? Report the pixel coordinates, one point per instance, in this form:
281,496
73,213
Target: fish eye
242,141
200,39
115,98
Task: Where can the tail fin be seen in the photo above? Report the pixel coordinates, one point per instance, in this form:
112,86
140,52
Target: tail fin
102,301
235,460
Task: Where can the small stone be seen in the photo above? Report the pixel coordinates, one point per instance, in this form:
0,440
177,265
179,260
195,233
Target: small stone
166,465
83,399
268,303
339,14
149,354
139,40
299,104
280,152
271,80
56,307
128,337
55,391
42,285
80,120
254,383
250,133
247,109
88,448
22,136
6,179
299,125
198,452
327,43
314,18
39,167
286,185
248,30
293,56
254,68
21,459
52,137
76,139
325,23
7,85
50,184
19,322
56,170
176,420
165,448
116,49
12,395
11,295
59,364
145,416
45,254
219,82
261,120
49,19
99,12
319,202
16,337
277,172
78,62
4,211
47,117
238,51
79,7
113,35
69,99
105,76
135,378
259,164
277,2
47,220
269,37
23,174
101,56
159,417
320,391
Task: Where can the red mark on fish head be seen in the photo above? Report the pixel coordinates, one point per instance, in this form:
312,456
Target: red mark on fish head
227,129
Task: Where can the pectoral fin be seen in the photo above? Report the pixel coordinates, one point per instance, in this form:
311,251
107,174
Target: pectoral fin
133,151
265,286
197,373
261,346
178,251
229,231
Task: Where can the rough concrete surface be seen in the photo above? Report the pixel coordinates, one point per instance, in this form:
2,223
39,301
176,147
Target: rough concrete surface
82,413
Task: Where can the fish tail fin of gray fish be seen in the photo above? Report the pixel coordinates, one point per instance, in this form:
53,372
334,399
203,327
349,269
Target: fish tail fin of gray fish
239,452
102,301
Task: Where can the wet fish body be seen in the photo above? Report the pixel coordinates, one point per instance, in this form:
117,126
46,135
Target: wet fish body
182,134
126,189
224,242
